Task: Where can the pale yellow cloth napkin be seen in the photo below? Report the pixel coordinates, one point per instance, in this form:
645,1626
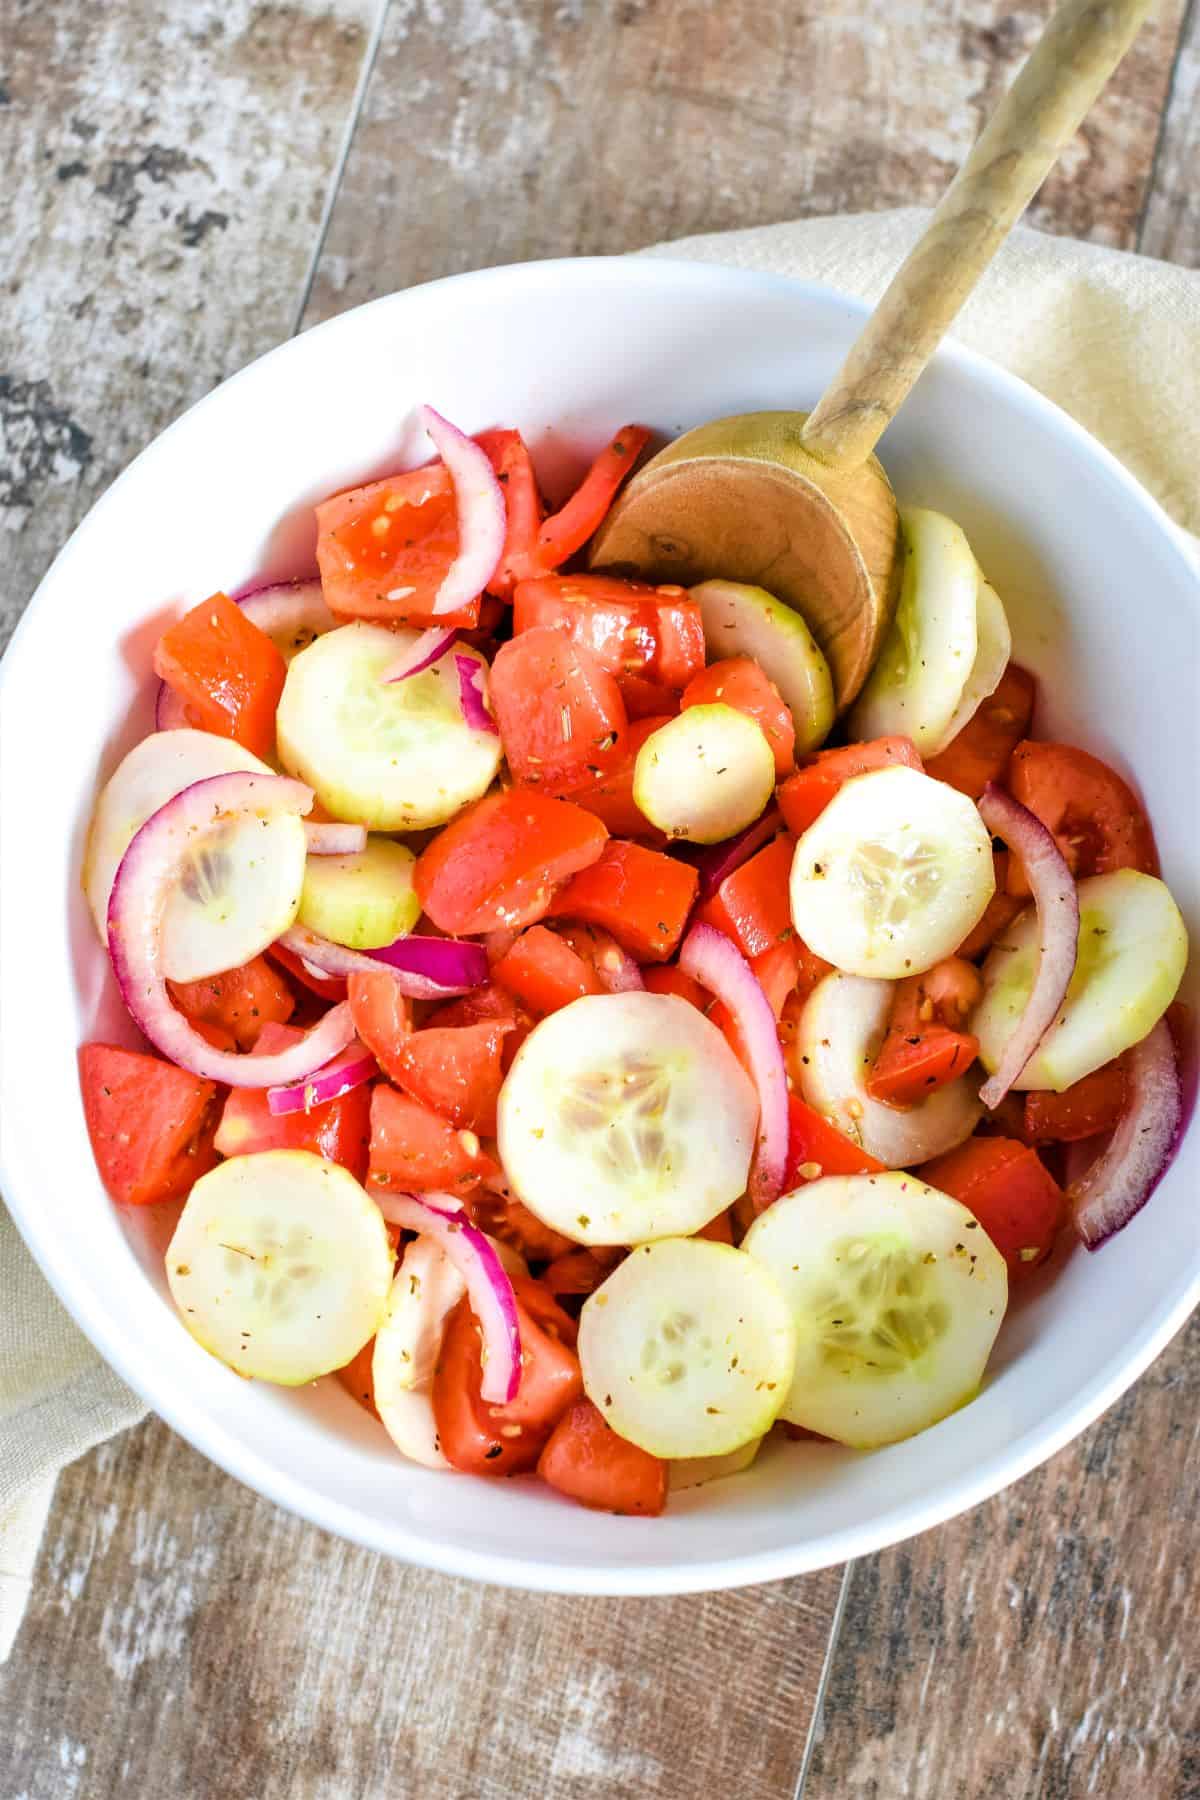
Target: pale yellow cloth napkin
1115,339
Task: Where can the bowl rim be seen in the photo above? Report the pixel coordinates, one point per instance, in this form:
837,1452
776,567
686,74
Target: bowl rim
499,1567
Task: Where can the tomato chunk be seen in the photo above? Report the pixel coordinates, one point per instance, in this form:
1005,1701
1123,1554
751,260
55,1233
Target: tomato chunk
561,717
239,1002
456,1071
580,1271
641,896
503,1216
611,797
340,1130
151,1125
384,549
1011,1193
499,862
804,796
925,1046
587,1461
382,1017
981,751
509,456
1083,1110
484,1439
486,1004
752,906
816,1148
741,683
646,634
412,1147
226,671
569,529
998,914
545,972
667,979
1096,818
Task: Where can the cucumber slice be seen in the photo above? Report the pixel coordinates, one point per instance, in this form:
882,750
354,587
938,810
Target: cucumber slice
280,1265
918,680
705,775
240,888
687,1349
426,1289
893,874
991,659
363,901
896,1293
841,1028
697,1471
747,621
626,1117
1132,952
397,756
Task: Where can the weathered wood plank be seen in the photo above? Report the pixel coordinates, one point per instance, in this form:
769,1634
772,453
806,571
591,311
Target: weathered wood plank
189,1639
165,170
1043,1647
1171,219
496,130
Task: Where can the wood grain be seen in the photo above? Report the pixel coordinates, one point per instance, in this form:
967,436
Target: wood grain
1043,1647
1170,225
189,1640
166,167
496,130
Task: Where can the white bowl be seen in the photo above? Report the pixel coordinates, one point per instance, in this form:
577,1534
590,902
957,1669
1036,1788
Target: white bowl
1103,602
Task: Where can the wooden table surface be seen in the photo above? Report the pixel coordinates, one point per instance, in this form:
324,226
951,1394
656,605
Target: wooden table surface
188,182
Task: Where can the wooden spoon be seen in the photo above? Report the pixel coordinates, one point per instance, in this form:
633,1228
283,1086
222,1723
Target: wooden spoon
796,502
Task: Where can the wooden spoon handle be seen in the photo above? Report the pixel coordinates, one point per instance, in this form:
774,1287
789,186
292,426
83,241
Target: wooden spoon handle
1078,51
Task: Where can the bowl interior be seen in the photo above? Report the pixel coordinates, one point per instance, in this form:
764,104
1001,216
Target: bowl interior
1103,604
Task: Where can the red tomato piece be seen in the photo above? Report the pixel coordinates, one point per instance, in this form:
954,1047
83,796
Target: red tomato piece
239,1002
358,1377
509,456
545,972
455,1070
1083,1110
718,1230
667,979
340,1130
778,972
752,906
569,529
502,1216
384,549
998,914
650,635
502,1440
1096,818
499,863
1015,1198
580,1271
151,1125
414,1148
226,671
326,987
648,699
925,1046
382,1018
483,1005
561,717
804,796
587,1461
740,682
981,751
611,798
816,1148
641,896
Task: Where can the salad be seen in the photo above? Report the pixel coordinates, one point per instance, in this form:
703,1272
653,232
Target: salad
574,1026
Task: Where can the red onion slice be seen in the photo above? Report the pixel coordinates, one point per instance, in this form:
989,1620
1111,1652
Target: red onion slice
472,677
716,963
426,649
615,968
148,872
489,1289
1140,1151
479,502
351,1069
715,861
334,840
288,611
1057,905
426,968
